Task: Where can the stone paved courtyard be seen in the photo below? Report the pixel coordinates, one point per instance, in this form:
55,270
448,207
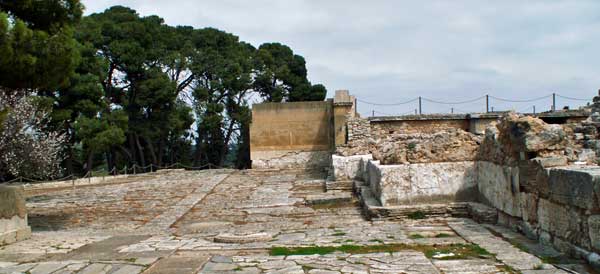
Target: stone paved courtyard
225,221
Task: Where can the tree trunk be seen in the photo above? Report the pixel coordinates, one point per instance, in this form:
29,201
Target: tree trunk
90,160
151,148
161,151
140,150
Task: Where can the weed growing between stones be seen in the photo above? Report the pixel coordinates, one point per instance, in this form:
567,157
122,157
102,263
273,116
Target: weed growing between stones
416,236
443,235
443,252
508,269
417,215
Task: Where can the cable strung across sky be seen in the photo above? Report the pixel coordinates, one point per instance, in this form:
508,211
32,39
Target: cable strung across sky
439,101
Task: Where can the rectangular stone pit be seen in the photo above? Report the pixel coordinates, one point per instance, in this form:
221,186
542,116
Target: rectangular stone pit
13,215
423,182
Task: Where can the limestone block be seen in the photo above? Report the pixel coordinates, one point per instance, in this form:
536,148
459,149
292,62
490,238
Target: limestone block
13,215
594,230
290,159
430,182
482,213
453,180
499,186
574,186
564,222
394,184
529,205
348,168
552,161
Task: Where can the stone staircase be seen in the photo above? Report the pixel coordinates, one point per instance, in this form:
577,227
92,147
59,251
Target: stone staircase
373,210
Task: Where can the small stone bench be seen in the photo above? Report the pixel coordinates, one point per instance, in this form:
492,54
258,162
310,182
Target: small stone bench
13,215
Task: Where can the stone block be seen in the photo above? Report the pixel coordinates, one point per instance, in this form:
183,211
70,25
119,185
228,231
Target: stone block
594,230
350,167
290,159
418,183
574,186
563,222
482,213
499,187
551,161
529,205
13,215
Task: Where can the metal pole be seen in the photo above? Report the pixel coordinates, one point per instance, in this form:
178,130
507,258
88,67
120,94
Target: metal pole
420,105
452,110
373,113
534,110
487,103
553,101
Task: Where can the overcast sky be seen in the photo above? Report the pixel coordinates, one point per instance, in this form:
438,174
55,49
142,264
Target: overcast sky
388,51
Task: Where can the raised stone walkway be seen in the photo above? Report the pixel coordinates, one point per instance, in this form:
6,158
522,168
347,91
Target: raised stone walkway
224,221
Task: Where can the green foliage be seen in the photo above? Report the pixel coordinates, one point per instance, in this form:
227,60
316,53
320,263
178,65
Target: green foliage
459,251
417,215
282,75
128,89
36,43
416,236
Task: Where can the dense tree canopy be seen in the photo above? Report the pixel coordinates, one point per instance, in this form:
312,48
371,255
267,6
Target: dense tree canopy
130,90
36,42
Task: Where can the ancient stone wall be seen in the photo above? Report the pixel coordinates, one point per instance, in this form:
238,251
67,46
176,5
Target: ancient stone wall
557,205
13,215
358,137
294,134
419,124
542,178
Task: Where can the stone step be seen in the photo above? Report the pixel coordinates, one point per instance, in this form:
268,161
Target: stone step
330,197
338,185
373,210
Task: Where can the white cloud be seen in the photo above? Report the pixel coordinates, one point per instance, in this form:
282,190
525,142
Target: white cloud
390,50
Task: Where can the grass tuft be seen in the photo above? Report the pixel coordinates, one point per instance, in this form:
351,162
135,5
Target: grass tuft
443,235
417,215
460,251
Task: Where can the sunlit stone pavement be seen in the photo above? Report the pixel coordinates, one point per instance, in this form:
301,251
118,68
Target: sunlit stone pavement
225,221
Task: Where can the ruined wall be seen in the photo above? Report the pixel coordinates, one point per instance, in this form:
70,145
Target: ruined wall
358,138
450,145
542,179
13,215
418,124
294,134
526,171
556,205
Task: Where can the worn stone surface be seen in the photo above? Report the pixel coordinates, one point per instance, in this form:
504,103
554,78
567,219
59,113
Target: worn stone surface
254,210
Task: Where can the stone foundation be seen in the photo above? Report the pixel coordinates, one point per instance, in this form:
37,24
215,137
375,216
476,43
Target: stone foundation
557,206
13,215
291,159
